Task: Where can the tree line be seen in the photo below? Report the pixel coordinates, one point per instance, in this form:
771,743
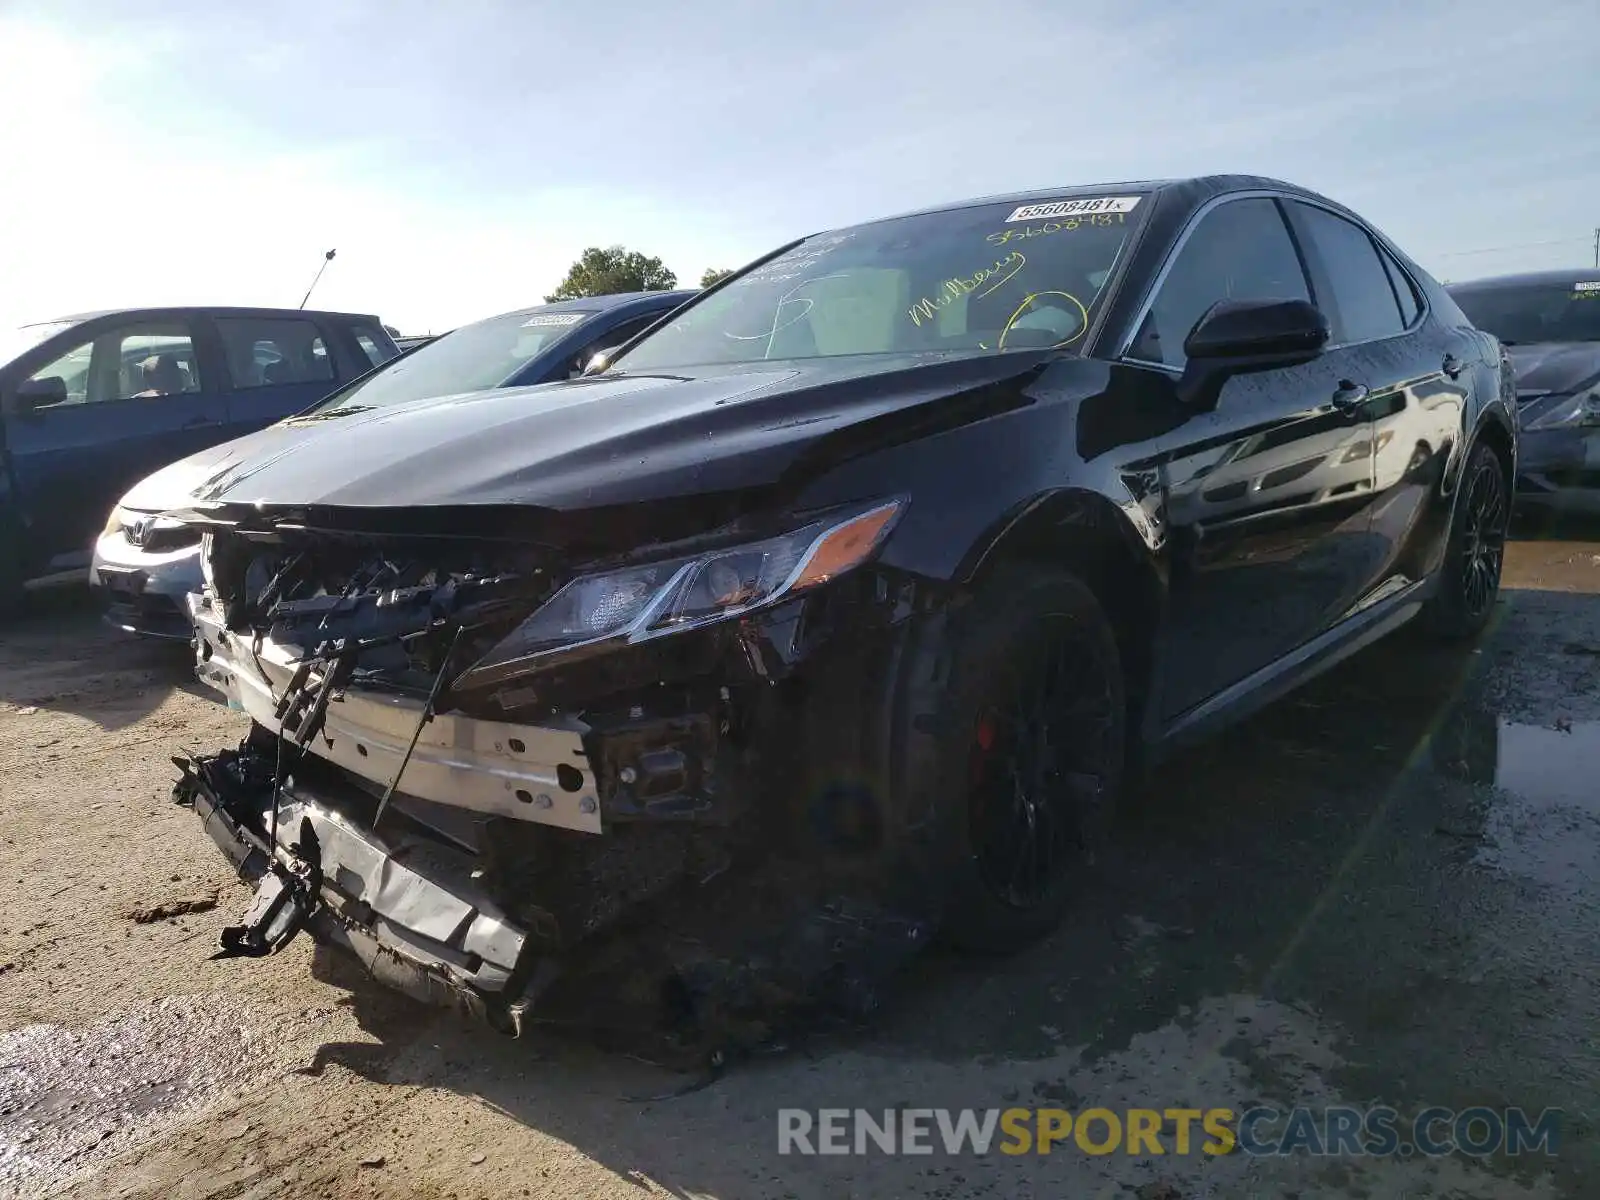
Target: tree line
605,271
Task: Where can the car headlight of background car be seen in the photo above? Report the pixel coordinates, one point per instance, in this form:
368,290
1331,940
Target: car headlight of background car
1574,410
637,603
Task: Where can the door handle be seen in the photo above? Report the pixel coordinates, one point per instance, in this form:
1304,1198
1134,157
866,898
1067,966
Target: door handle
1349,396
1452,365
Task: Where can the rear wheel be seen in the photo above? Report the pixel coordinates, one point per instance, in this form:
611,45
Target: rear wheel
1035,725
1469,579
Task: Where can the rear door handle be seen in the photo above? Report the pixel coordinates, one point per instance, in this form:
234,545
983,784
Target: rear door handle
1349,396
1452,365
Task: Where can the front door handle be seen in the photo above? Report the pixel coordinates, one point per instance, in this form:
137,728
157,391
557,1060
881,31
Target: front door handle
1452,365
1349,396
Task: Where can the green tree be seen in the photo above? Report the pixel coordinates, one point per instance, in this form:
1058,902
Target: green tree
615,269
713,275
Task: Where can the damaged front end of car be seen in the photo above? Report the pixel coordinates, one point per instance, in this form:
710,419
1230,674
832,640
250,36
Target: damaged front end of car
473,761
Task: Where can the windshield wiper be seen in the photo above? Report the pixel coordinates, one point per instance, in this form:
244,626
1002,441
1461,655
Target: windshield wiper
330,414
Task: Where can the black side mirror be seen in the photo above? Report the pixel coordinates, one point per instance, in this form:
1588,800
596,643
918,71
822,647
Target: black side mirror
1287,330
37,393
1234,337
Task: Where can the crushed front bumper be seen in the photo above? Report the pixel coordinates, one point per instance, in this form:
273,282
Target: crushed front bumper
528,772
407,906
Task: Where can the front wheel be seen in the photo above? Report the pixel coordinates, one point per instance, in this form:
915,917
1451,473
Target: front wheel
1035,722
1469,578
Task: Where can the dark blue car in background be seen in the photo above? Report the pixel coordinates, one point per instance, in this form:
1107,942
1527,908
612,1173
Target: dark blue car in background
91,404
145,564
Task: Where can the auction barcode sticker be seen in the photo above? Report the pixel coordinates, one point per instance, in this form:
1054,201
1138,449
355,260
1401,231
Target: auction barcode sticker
1083,206
554,319
1586,287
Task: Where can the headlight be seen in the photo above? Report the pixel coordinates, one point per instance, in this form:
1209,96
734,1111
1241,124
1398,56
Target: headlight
120,518
638,603
1577,411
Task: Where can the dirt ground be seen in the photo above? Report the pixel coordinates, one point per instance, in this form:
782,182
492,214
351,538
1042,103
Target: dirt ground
1383,890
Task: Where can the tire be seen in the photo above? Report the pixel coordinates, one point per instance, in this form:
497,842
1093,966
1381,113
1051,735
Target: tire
1031,756
1469,577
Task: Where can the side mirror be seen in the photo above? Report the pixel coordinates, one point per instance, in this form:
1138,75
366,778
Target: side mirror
1236,337
1276,331
37,393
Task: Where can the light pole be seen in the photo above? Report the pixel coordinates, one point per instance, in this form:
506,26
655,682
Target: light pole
326,259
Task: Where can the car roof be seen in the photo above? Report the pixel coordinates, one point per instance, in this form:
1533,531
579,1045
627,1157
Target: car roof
1564,278
215,310
598,304
1193,190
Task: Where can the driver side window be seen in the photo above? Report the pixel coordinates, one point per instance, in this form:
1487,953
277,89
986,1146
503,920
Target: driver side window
1240,250
72,368
141,361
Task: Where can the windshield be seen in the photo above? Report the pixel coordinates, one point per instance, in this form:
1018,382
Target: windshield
1543,312
14,341
972,280
477,356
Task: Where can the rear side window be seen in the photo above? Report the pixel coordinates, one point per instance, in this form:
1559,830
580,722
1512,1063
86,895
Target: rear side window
1404,290
1362,293
1240,250
377,346
272,351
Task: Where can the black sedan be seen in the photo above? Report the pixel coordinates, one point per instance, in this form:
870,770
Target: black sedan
1550,320
876,565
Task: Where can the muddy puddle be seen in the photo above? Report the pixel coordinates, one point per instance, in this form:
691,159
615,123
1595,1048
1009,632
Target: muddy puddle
70,1099
1544,823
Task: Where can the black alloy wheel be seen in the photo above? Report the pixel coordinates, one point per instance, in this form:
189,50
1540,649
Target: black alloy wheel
1483,538
1041,769
1469,577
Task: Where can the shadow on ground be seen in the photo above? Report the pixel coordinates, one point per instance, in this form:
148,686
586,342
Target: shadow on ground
60,656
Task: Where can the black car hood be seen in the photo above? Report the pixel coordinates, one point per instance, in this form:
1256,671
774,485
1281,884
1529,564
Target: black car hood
175,484
1555,367
622,440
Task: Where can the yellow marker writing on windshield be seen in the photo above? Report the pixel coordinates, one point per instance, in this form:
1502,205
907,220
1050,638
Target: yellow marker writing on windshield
1028,302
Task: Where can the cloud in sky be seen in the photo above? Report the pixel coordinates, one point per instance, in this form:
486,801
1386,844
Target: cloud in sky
461,156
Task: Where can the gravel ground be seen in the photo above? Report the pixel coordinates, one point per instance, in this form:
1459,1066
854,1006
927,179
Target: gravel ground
1382,890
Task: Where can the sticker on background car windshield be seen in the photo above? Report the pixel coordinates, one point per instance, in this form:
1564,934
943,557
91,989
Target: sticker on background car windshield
1586,287
553,319
1070,208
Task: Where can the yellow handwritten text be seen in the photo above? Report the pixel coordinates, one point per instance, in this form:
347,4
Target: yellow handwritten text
951,290
1065,225
1031,301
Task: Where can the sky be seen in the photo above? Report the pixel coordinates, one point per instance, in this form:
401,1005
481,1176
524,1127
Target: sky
460,156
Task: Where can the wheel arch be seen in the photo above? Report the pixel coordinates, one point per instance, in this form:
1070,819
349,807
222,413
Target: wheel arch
1494,430
1092,536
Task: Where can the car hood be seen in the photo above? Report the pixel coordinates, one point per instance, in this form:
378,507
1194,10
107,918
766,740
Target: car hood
619,439
205,471
1555,367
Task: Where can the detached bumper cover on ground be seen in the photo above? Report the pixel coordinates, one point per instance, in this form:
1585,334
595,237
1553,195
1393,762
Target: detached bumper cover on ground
408,909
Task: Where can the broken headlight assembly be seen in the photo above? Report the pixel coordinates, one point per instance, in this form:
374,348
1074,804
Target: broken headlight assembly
637,603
